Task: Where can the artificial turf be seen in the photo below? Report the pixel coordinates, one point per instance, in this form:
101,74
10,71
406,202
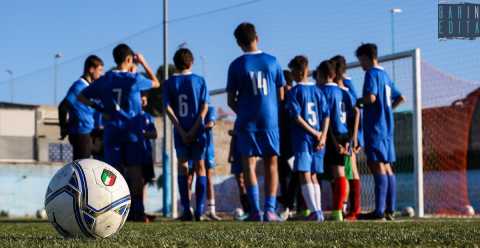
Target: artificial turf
419,233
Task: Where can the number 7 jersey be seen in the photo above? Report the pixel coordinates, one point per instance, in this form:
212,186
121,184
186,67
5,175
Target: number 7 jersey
255,78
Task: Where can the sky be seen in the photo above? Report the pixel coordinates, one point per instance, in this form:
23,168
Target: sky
34,31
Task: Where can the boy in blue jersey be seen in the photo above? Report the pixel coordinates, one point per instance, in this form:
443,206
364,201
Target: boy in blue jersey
119,92
186,102
210,164
80,121
254,86
307,105
380,97
338,137
353,120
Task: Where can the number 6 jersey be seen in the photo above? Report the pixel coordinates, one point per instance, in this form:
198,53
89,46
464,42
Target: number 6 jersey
185,93
255,78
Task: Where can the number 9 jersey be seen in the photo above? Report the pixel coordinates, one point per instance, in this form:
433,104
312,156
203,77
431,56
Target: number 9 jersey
255,78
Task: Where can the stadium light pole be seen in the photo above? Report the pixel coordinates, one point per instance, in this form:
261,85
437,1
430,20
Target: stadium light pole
12,90
57,57
392,22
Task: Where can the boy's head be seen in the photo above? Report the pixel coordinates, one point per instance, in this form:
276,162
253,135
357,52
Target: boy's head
367,55
288,77
299,68
340,65
183,59
246,36
93,67
144,98
123,55
325,72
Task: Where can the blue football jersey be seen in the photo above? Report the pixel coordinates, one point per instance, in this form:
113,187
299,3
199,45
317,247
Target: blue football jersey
186,94
120,95
211,117
378,117
351,89
80,116
255,78
338,105
307,101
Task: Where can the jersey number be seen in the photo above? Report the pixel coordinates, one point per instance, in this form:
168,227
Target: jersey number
312,115
388,92
183,105
259,83
118,93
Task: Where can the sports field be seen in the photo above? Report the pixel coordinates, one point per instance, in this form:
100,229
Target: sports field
424,233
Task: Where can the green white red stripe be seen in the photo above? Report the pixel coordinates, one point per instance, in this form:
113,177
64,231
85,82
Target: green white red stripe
108,178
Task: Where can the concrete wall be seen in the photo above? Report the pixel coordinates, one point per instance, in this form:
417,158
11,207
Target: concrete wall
474,144
17,132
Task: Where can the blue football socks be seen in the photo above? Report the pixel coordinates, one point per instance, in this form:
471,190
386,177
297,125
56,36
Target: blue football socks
381,187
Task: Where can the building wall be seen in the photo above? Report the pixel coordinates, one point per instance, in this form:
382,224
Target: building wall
17,135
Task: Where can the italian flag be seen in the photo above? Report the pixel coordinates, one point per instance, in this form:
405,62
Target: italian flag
108,178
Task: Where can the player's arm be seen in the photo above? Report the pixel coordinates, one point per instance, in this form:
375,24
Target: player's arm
210,124
232,101
173,118
323,139
63,109
399,100
370,90
356,124
194,130
142,61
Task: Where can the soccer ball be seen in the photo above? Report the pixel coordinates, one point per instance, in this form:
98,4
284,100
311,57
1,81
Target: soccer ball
87,198
238,213
408,212
469,210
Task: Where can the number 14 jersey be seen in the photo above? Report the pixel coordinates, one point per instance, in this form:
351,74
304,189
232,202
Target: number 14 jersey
255,78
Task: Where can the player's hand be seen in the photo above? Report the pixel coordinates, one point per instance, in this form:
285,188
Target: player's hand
356,147
343,150
138,58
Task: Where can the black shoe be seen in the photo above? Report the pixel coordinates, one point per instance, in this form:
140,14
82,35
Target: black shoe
371,216
187,216
390,216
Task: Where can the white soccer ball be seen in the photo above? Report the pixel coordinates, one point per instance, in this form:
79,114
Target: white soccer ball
408,212
238,213
469,211
87,198
41,214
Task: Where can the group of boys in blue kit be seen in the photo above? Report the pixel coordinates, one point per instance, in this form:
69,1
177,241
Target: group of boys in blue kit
116,96
328,126
324,121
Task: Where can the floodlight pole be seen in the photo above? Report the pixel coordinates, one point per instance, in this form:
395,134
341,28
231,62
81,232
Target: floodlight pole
392,22
55,76
166,160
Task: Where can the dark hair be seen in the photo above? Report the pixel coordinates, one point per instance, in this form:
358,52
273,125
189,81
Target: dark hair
326,68
183,59
288,77
298,65
245,34
340,65
368,49
121,52
92,61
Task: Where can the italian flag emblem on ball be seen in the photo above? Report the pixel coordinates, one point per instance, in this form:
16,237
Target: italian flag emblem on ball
108,178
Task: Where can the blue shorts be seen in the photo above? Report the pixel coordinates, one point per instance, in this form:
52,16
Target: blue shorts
260,143
194,151
309,161
380,152
120,152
